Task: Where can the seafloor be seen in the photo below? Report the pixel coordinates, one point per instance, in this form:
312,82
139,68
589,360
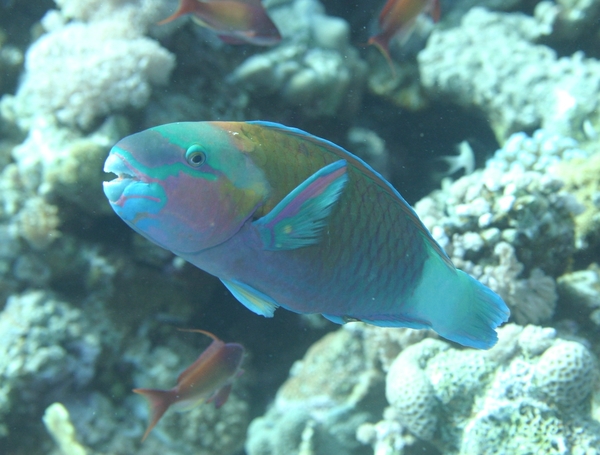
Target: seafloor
488,125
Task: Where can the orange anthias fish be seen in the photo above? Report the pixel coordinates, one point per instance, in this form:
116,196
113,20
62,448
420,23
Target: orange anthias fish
234,21
397,19
208,379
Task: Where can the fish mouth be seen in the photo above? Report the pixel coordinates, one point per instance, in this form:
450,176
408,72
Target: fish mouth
126,175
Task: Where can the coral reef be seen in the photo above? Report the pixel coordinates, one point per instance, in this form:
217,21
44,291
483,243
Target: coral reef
534,385
370,147
579,292
11,59
315,68
409,391
570,17
108,66
88,307
58,423
318,409
530,393
520,85
53,179
52,350
510,225
582,178
58,163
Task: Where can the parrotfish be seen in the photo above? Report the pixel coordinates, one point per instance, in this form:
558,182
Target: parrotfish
208,379
234,21
397,19
287,219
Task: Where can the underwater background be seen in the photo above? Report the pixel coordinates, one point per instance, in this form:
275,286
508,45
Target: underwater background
488,124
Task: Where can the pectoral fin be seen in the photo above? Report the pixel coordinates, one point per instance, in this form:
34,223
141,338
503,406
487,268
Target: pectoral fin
298,219
251,298
221,396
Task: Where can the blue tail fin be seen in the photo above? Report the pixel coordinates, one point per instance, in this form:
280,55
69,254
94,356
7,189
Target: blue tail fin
476,311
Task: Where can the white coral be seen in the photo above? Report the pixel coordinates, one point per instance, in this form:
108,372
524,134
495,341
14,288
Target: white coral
409,390
491,63
565,373
82,72
531,300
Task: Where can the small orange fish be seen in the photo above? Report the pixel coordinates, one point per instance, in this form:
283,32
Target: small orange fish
234,21
208,379
397,18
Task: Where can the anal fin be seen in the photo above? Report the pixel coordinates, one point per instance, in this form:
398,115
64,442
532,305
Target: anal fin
251,298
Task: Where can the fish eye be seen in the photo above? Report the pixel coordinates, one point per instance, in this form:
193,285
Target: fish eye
195,156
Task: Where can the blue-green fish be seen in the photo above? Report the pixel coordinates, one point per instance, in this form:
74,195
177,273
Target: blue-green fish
287,219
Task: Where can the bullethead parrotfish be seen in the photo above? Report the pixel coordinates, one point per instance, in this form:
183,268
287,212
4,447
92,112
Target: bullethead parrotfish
234,21
288,219
208,379
397,20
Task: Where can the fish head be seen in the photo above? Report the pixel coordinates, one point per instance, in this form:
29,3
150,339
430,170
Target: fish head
185,186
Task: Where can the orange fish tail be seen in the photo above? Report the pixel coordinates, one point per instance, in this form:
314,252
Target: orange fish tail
185,7
159,401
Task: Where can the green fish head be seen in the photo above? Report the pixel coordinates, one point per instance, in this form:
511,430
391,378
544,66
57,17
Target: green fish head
185,186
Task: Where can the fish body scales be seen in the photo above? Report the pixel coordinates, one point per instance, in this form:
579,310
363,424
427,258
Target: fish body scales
369,256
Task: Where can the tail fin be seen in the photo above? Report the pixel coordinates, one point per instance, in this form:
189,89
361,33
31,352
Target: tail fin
476,312
159,401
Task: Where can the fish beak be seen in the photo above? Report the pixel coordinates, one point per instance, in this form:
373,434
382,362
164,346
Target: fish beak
115,164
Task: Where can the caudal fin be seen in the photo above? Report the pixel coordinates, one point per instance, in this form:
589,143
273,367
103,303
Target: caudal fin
476,312
159,401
